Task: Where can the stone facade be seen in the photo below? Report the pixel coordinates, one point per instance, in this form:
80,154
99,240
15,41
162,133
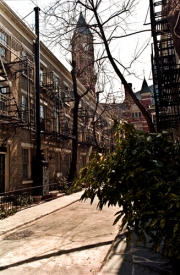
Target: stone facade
17,108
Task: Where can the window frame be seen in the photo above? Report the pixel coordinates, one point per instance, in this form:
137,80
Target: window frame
24,57
57,162
24,108
2,97
56,121
42,117
3,41
26,178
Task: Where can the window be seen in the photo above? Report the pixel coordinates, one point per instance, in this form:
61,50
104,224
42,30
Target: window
66,123
2,98
3,41
3,38
42,113
25,163
83,136
24,55
85,46
58,162
154,118
24,108
42,117
56,84
66,92
24,58
83,160
41,76
2,51
67,161
66,88
56,122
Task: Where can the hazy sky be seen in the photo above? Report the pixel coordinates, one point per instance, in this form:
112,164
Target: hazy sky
24,7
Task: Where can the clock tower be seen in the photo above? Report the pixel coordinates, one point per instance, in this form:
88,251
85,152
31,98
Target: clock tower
83,54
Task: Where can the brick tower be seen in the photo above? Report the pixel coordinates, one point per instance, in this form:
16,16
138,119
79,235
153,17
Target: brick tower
83,54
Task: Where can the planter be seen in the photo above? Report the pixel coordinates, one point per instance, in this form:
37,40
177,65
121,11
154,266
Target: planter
37,199
54,193
51,195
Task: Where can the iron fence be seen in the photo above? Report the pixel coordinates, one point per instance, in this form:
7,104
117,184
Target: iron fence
16,200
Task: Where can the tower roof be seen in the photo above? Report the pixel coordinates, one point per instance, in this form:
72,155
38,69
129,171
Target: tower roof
145,87
82,26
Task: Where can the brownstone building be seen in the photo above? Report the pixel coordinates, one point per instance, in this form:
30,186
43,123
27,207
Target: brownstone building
17,107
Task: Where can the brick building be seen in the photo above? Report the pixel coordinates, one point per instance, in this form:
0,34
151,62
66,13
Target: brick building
17,108
132,113
128,110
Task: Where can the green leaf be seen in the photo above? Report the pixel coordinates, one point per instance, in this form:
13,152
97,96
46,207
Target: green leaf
145,185
162,223
149,139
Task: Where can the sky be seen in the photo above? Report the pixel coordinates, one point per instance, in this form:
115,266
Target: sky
142,66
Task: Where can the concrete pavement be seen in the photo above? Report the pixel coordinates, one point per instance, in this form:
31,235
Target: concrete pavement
134,259
36,212
120,259
73,240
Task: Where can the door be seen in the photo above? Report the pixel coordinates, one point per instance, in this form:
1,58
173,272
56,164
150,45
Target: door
2,173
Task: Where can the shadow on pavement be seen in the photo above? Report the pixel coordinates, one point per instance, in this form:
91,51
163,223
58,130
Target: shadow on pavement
57,253
133,259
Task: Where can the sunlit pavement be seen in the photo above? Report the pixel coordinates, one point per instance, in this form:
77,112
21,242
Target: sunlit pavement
73,240
66,236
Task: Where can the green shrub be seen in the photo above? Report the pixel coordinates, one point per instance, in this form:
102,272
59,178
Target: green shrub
142,176
23,200
4,213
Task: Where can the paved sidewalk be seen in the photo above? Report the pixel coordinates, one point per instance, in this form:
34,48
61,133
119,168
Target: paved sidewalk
120,260
74,240
134,259
36,212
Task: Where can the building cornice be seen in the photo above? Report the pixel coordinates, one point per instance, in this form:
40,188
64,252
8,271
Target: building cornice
16,22
22,27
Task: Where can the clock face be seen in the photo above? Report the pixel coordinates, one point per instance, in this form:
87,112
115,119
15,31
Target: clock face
85,46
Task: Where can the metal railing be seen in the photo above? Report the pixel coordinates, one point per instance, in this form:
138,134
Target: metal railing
13,201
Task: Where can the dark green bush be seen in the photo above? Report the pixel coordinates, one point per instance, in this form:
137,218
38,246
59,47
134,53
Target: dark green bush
4,213
23,200
142,176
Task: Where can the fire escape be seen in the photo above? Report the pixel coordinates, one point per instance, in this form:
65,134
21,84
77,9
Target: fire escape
94,129
85,114
16,61
56,125
166,72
